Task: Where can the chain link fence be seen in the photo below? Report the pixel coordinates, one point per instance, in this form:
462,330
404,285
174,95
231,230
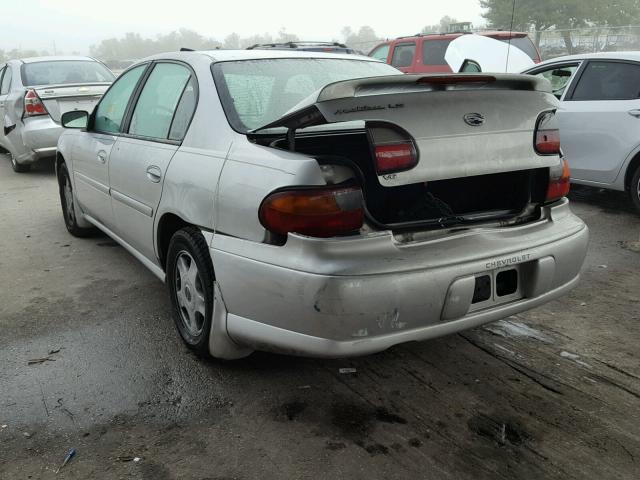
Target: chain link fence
555,43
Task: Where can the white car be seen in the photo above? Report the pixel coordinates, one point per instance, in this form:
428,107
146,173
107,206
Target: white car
325,204
599,117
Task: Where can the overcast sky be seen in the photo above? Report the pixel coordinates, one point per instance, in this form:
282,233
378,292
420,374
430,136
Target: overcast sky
76,24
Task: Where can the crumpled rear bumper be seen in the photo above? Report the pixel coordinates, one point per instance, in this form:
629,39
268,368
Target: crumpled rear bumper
344,297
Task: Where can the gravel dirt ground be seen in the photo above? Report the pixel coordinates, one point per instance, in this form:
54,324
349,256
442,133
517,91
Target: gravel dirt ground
553,393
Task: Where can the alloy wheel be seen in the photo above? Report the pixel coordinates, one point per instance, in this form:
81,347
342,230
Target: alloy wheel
190,294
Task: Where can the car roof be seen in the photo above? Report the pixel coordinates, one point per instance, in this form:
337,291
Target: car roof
257,54
452,35
56,58
601,55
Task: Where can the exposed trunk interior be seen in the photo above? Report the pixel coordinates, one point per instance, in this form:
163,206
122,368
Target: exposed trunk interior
436,204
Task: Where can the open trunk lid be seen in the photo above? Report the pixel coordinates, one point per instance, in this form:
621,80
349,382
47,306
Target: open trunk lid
59,99
461,125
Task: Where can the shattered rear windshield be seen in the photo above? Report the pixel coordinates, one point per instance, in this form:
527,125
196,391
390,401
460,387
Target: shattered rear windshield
257,92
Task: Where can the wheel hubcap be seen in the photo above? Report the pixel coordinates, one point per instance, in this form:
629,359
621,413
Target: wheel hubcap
68,200
190,294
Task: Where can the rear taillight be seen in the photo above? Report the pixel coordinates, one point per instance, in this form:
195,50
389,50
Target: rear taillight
316,212
547,135
559,181
395,157
33,106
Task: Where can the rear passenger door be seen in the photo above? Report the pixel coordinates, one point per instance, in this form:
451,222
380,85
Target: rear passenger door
154,131
403,56
600,119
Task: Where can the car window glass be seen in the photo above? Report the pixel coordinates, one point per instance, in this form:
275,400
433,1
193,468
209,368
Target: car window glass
60,72
184,111
1,72
158,100
559,77
403,54
608,81
113,105
523,43
257,92
433,51
381,53
6,82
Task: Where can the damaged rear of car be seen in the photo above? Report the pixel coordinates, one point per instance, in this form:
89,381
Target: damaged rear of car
359,209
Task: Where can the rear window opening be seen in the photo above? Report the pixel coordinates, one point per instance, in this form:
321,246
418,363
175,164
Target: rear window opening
425,205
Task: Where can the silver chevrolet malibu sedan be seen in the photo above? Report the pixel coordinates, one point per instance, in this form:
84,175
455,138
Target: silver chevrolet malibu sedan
323,204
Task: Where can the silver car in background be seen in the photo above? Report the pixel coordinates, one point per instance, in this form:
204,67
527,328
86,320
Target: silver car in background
599,117
35,92
325,204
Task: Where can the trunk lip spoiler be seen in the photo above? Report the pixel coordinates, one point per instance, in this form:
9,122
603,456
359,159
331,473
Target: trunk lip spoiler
308,114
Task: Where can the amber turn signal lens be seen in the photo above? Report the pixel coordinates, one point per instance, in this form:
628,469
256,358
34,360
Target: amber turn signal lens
316,212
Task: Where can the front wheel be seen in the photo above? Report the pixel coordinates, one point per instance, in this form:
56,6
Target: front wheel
634,189
68,205
190,280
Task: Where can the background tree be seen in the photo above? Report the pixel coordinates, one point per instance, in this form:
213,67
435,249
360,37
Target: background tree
364,39
441,27
560,15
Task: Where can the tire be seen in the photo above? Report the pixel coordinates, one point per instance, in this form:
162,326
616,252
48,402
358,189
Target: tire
190,280
634,189
67,203
19,167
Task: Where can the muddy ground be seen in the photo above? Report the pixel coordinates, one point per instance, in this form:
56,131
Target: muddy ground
553,393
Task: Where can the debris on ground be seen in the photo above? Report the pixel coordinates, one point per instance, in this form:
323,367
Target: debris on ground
347,370
26,435
57,350
70,454
37,361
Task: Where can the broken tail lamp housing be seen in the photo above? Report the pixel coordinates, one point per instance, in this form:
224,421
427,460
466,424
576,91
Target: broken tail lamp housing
393,149
559,181
313,211
33,105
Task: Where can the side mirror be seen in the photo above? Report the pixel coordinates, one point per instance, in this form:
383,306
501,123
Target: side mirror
75,119
470,66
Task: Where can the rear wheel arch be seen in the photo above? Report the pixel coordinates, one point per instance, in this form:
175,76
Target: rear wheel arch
168,225
633,166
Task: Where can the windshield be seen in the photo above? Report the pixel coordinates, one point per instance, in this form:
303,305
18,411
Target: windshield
257,92
61,72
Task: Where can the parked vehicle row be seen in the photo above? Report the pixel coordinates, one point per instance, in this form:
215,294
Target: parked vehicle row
424,53
325,204
599,117
35,92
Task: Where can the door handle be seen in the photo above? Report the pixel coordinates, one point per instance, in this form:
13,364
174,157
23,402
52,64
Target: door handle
102,156
635,113
154,173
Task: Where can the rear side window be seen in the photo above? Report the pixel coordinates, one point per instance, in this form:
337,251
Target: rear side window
381,52
608,81
184,112
158,101
61,72
523,43
403,54
6,82
111,109
433,52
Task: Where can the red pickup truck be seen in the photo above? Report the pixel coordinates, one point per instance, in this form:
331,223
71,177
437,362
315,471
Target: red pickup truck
425,53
